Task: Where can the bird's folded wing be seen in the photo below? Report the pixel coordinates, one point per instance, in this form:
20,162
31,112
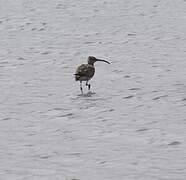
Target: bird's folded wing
84,70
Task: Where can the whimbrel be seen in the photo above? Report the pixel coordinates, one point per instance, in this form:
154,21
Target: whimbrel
85,72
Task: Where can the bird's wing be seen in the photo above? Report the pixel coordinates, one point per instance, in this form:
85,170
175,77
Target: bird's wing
85,70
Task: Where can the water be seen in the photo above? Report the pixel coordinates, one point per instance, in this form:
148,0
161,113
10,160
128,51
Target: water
132,124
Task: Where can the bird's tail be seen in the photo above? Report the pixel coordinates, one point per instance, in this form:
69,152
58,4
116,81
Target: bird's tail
77,77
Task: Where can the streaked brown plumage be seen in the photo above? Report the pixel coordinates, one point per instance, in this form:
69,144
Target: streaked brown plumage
85,72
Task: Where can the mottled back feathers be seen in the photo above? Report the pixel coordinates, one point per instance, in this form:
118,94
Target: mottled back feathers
84,72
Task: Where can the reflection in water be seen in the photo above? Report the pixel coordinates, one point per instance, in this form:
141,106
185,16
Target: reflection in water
88,94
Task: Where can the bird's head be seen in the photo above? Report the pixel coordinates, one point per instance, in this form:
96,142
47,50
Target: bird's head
92,60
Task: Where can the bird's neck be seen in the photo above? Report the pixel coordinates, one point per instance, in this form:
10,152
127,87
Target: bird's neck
92,64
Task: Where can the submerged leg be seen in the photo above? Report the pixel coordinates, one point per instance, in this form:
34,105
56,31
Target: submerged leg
81,87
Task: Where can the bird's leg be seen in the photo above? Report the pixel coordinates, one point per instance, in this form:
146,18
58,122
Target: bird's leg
81,87
88,85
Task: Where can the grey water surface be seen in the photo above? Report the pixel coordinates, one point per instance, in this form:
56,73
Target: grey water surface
131,126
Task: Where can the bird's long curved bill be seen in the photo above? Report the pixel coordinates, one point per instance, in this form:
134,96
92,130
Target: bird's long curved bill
103,61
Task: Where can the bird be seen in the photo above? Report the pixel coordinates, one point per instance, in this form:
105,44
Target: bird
85,72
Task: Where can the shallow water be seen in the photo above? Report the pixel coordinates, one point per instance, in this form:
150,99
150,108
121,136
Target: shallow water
132,123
